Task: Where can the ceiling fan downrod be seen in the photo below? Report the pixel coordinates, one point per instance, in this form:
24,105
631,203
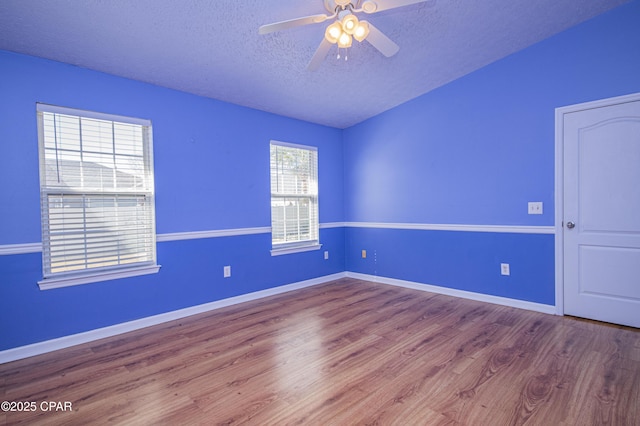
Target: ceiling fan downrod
336,6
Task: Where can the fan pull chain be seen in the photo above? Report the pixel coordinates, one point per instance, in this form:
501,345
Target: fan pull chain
346,54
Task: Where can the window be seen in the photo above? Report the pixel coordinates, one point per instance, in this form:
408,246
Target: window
294,198
96,196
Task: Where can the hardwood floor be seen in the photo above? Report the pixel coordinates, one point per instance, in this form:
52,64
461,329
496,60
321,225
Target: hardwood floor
342,353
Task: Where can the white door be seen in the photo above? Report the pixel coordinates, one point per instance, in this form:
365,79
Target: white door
601,217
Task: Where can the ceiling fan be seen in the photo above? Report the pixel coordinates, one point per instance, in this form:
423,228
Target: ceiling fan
346,26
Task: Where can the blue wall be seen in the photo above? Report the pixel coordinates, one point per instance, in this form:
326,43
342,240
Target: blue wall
468,261
191,274
474,152
471,152
211,157
211,172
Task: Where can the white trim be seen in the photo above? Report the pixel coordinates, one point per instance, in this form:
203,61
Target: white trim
559,211
559,182
193,235
113,330
294,145
599,103
480,297
92,114
160,238
519,229
67,281
332,225
25,248
8,249
295,249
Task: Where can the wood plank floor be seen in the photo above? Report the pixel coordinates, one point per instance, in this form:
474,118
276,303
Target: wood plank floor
343,353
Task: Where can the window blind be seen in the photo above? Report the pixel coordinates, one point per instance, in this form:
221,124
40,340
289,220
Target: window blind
294,195
97,196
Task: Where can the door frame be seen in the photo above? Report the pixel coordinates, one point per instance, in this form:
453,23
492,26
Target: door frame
559,183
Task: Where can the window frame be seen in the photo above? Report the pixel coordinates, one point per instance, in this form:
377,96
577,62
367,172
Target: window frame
147,192
298,246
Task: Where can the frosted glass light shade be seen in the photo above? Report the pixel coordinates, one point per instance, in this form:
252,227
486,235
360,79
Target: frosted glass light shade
362,31
349,24
333,32
344,40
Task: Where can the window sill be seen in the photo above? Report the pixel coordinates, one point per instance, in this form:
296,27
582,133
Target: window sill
59,282
297,249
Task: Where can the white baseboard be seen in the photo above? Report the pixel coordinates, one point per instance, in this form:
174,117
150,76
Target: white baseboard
505,301
113,330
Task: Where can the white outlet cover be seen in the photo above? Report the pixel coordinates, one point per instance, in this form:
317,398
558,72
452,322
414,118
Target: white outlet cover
227,271
504,269
326,255
535,207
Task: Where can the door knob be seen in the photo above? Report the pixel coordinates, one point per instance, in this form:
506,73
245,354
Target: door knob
571,225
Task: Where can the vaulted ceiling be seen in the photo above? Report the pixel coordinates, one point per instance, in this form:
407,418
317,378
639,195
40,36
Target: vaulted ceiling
212,47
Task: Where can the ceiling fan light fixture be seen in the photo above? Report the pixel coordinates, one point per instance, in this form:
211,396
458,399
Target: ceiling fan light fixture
344,41
362,31
333,32
345,27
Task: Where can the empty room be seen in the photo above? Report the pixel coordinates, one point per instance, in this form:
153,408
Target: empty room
329,212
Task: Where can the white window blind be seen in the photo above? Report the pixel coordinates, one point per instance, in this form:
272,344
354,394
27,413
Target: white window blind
294,195
97,192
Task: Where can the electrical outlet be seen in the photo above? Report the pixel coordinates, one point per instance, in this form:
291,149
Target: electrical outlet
364,254
535,207
227,271
326,255
504,269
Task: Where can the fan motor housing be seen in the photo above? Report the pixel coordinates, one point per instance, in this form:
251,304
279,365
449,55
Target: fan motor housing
331,5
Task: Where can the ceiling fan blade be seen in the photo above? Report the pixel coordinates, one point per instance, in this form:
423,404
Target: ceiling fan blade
291,23
381,42
372,6
319,56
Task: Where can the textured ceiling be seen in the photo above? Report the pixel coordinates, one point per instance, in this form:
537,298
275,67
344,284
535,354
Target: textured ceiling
212,47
